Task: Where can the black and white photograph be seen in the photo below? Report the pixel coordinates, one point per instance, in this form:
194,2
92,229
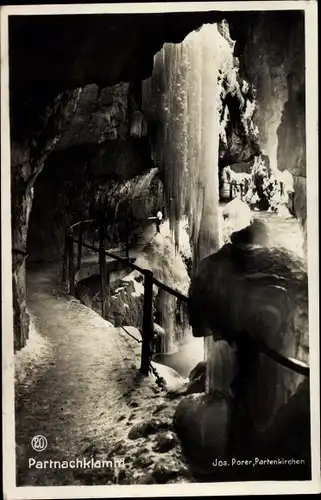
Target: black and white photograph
159,192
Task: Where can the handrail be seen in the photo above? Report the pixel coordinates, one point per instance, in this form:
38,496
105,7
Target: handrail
142,270
290,363
170,290
125,260
132,336
81,222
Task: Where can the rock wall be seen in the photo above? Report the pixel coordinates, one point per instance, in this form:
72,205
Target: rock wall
271,51
20,211
75,142
67,189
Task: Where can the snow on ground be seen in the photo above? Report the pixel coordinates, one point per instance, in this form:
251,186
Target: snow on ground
30,359
90,401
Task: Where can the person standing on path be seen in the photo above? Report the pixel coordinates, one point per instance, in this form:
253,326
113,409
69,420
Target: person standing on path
158,220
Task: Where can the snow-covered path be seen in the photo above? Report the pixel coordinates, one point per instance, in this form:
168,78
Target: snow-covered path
78,391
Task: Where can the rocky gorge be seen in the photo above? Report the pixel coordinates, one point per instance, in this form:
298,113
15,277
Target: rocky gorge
117,120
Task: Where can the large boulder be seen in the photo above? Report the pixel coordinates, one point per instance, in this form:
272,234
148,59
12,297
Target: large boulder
197,378
247,294
165,442
202,424
245,287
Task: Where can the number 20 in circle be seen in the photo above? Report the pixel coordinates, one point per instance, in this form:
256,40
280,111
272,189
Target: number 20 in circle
39,443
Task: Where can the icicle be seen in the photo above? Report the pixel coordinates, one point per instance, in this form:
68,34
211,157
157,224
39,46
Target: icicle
138,126
184,98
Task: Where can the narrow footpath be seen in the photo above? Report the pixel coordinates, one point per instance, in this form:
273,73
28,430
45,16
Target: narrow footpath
85,392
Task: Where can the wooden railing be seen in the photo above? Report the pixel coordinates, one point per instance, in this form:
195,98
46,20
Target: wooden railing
69,273
68,277
235,188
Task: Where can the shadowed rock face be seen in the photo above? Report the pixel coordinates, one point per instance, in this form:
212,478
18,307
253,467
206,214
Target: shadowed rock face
270,50
67,189
80,50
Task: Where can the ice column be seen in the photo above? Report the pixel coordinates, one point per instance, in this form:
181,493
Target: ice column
182,100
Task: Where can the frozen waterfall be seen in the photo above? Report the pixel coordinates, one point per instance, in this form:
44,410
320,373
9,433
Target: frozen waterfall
182,101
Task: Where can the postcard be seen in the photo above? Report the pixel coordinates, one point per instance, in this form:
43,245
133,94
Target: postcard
159,215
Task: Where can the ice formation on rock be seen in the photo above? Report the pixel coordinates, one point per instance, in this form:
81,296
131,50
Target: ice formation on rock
183,104
183,100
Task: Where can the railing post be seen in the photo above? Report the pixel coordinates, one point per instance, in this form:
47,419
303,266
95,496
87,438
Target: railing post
147,330
242,417
65,263
71,263
80,233
103,277
282,188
